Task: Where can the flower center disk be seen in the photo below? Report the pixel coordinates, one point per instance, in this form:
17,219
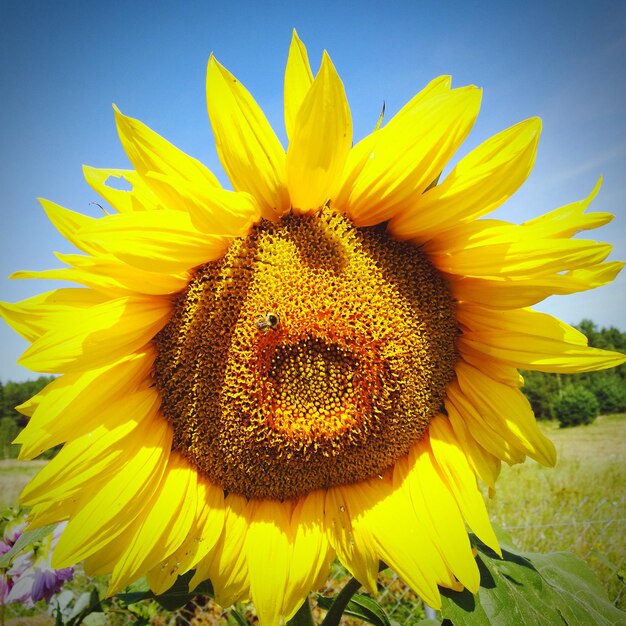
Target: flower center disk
313,354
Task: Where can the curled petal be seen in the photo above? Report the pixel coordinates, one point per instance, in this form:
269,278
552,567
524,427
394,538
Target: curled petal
139,198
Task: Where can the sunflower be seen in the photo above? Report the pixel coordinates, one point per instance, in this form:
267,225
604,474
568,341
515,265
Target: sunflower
317,364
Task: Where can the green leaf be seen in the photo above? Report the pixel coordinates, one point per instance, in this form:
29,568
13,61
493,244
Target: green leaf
531,589
59,617
360,606
239,618
303,616
132,597
582,595
94,605
25,540
175,597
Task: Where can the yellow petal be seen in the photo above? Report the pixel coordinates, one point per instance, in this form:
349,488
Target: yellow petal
435,505
544,355
212,210
508,409
104,333
35,316
475,318
365,149
510,292
139,198
268,541
102,562
399,538
226,565
320,142
408,154
497,370
30,406
311,555
149,152
292,538
246,144
70,406
531,340
201,539
158,241
110,276
482,181
93,454
490,248
105,514
349,537
492,436
69,223
484,464
298,80
163,527
435,87
460,479
570,219
49,513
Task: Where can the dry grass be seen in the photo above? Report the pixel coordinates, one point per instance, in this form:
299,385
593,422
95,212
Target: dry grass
579,506
13,477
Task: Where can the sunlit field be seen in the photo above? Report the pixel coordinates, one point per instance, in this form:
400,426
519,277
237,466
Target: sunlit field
579,506
13,476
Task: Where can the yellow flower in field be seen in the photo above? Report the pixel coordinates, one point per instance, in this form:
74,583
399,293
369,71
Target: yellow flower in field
319,363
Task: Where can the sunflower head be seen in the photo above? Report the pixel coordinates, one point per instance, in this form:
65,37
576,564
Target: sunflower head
318,363
315,348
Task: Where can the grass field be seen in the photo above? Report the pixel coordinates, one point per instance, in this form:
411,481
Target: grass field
579,506
13,476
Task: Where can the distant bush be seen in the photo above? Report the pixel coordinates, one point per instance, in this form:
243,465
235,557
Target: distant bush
575,405
11,421
540,389
610,391
8,432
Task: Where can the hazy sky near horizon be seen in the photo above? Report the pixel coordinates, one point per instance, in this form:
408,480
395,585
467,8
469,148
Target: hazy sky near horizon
63,64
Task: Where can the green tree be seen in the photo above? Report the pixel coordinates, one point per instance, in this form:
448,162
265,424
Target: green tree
575,405
610,391
540,389
14,394
608,339
8,432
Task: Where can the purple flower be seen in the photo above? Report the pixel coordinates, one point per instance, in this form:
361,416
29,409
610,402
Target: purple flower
40,582
31,576
12,533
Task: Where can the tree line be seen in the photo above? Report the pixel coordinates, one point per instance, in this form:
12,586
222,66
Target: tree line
570,398
579,398
12,421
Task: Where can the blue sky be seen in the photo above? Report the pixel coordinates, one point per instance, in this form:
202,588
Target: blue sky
63,64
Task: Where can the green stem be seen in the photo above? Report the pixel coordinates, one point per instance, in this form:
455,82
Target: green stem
341,602
303,617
